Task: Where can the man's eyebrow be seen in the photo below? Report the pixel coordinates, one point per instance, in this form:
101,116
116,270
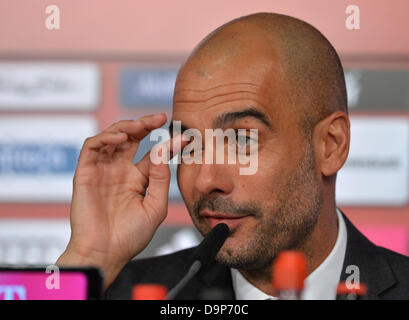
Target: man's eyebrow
170,128
230,117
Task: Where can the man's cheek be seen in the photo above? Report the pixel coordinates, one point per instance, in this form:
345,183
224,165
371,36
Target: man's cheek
186,178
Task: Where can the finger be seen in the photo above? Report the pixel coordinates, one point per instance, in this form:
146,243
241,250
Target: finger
92,146
176,145
143,165
154,120
136,130
156,199
106,153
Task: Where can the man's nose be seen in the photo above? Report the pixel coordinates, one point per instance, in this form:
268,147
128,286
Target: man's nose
213,178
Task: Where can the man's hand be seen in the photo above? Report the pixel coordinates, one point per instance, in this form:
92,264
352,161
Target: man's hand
112,219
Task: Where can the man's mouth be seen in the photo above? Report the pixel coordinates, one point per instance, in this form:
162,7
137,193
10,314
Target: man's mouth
232,221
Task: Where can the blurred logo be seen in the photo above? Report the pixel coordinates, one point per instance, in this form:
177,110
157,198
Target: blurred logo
8,292
181,239
377,169
38,156
353,86
24,159
33,241
49,86
377,90
147,87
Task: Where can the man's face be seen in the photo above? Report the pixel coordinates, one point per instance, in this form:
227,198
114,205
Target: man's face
277,207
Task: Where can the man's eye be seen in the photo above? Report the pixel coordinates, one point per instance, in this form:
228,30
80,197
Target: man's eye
243,140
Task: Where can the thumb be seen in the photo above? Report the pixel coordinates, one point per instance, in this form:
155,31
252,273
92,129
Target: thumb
156,199
159,176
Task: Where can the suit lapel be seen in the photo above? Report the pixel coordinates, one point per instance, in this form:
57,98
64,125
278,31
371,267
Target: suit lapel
362,256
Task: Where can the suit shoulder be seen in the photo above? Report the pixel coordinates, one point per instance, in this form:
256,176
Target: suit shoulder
164,269
399,265
159,262
396,260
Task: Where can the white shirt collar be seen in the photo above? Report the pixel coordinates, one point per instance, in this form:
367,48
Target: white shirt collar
321,284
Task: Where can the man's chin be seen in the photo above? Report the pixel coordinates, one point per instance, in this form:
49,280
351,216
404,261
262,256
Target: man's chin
247,263
233,253
243,254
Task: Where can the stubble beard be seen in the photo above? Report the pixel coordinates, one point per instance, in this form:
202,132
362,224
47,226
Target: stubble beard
286,227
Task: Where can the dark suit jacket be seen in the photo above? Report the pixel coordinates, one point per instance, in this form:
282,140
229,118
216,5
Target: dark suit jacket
385,273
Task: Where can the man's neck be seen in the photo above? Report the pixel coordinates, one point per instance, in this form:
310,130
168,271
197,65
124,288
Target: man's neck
325,234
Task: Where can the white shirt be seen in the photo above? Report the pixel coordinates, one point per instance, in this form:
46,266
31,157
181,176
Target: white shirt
321,284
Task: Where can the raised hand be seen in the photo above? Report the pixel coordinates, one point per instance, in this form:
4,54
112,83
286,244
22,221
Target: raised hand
113,214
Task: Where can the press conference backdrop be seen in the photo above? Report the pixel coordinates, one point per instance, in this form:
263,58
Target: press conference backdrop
50,102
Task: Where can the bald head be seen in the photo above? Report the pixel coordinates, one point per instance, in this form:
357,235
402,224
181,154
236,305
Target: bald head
295,54
278,77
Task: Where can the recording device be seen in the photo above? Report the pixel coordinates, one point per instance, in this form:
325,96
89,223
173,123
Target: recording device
203,256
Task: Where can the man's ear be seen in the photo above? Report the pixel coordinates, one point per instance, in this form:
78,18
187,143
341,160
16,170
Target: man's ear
331,138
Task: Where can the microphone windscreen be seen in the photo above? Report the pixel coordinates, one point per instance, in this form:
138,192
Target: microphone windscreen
289,271
211,244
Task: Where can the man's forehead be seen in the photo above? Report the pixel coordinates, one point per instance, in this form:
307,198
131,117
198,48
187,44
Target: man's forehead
217,94
257,82
230,96
207,86
247,67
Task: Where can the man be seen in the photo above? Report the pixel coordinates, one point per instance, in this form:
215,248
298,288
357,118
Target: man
268,72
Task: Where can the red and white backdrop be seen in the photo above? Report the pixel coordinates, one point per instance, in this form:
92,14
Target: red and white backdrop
113,60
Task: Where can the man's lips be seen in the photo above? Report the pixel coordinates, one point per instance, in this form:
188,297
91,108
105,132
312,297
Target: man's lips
215,218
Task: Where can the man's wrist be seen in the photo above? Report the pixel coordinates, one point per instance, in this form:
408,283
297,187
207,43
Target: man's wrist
76,258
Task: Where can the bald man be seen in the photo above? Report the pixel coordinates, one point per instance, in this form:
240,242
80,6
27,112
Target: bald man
265,71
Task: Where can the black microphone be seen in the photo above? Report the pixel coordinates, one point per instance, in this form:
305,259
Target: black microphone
203,256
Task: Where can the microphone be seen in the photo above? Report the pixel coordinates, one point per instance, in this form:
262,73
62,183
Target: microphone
203,256
289,273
